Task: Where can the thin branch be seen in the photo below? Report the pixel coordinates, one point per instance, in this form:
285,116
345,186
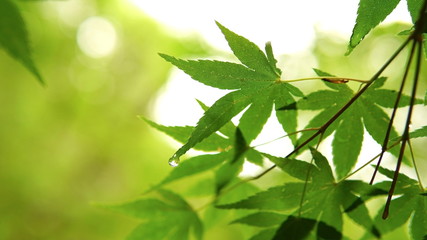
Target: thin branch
393,114
405,136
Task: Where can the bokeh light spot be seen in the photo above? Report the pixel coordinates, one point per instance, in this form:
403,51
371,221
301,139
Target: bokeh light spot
97,37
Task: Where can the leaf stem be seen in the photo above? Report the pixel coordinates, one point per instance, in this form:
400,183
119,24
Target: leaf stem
420,183
367,163
287,135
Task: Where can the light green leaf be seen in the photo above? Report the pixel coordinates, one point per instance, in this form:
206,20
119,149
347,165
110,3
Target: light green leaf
288,117
421,132
400,210
227,173
356,209
212,143
165,217
254,157
228,129
292,89
320,100
14,36
347,143
194,166
254,119
418,225
266,234
369,14
262,219
276,198
386,98
335,86
295,168
216,116
222,75
318,121
249,53
271,59
325,174
376,122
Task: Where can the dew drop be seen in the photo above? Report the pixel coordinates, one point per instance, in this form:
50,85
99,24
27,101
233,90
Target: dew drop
174,161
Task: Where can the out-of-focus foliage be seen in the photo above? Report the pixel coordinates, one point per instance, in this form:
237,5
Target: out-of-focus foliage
79,140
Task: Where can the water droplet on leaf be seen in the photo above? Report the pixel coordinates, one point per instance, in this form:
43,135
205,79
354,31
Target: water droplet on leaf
174,161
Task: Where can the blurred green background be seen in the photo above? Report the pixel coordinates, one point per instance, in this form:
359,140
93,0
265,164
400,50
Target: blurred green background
79,141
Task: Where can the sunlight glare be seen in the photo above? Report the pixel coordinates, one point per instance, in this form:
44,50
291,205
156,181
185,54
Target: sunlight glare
97,37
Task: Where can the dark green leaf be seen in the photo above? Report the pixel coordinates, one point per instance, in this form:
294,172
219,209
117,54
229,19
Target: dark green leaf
248,53
227,172
240,146
295,228
347,143
369,14
325,231
266,234
414,7
14,36
222,75
262,219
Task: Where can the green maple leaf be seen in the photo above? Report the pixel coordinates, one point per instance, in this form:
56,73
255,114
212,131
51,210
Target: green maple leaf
231,149
256,83
410,205
324,203
366,112
14,36
168,216
370,13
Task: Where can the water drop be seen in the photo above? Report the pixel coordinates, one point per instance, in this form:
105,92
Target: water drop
174,161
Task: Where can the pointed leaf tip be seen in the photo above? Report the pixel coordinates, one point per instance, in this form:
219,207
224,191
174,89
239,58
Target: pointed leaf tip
14,37
249,53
